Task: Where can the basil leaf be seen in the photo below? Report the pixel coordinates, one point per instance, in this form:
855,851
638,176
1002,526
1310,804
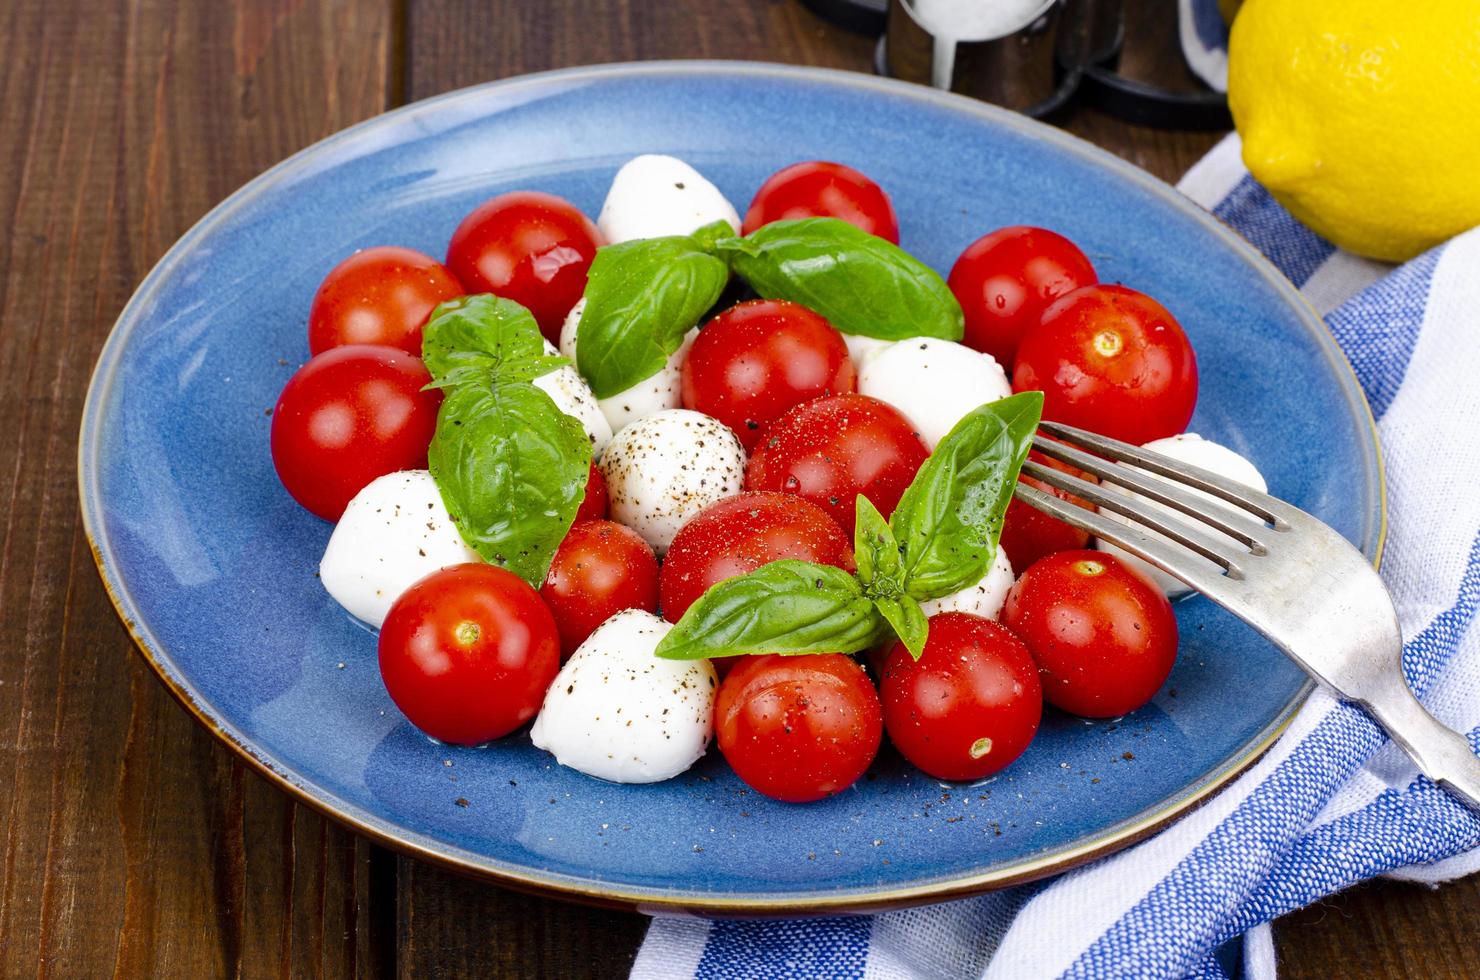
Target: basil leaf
512,469
481,339
532,367
642,296
713,232
859,282
949,519
907,619
875,551
786,607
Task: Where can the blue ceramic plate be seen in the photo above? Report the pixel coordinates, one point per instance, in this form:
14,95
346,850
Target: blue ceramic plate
211,565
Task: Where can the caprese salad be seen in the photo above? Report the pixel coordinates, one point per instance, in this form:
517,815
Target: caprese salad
671,477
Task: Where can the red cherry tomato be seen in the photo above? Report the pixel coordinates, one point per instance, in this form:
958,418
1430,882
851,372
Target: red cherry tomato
739,534
467,653
1113,360
529,247
1029,534
1006,279
596,501
348,416
599,569
969,706
798,728
382,295
819,189
1104,637
758,359
832,449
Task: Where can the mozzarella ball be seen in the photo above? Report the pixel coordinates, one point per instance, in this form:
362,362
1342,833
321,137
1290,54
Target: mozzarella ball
393,533
570,393
1189,447
934,383
662,470
984,598
654,195
661,391
619,713
861,349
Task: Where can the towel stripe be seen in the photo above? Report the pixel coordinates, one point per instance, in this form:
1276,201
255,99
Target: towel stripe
1293,248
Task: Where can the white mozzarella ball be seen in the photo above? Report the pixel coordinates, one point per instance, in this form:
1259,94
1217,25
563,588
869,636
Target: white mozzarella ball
654,195
661,391
570,328
984,598
394,532
662,470
934,383
570,393
1189,447
619,713
861,349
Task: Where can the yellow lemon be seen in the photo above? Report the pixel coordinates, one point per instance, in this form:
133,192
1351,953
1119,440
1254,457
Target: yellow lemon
1362,117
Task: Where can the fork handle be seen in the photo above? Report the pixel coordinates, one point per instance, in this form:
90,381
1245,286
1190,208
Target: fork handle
1442,754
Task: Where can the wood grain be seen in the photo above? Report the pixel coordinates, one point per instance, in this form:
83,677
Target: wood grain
133,844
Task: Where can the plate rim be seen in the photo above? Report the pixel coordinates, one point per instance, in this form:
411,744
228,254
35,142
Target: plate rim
655,899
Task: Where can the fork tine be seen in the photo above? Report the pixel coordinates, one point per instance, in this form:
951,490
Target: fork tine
1265,507
1135,509
1175,495
1160,552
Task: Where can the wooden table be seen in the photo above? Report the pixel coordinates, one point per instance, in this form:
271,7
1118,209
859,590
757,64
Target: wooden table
134,845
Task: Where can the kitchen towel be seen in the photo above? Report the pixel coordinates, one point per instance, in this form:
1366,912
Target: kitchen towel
1334,802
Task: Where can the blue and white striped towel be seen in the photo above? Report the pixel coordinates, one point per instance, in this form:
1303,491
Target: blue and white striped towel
1333,802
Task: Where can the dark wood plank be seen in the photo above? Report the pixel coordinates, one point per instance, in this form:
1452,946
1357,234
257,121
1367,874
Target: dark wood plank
1385,929
132,844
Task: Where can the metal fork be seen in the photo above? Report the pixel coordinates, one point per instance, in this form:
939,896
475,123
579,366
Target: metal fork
1277,568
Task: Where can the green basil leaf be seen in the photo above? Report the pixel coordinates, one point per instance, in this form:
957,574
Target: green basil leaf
713,232
907,619
880,565
531,367
786,607
949,519
859,282
481,339
642,296
512,470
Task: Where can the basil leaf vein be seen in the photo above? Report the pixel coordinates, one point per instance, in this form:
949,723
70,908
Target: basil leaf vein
477,339
512,470
785,607
642,297
950,518
861,283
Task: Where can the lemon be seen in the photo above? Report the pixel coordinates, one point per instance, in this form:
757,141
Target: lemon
1362,117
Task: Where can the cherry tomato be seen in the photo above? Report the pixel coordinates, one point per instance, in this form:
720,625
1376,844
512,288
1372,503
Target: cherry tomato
758,359
832,449
595,503
1006,279
1104,637
739,534
819,189
349,415
529,247
467,653
1113,360
381,295
599,569
1029,534
969,706
798,728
